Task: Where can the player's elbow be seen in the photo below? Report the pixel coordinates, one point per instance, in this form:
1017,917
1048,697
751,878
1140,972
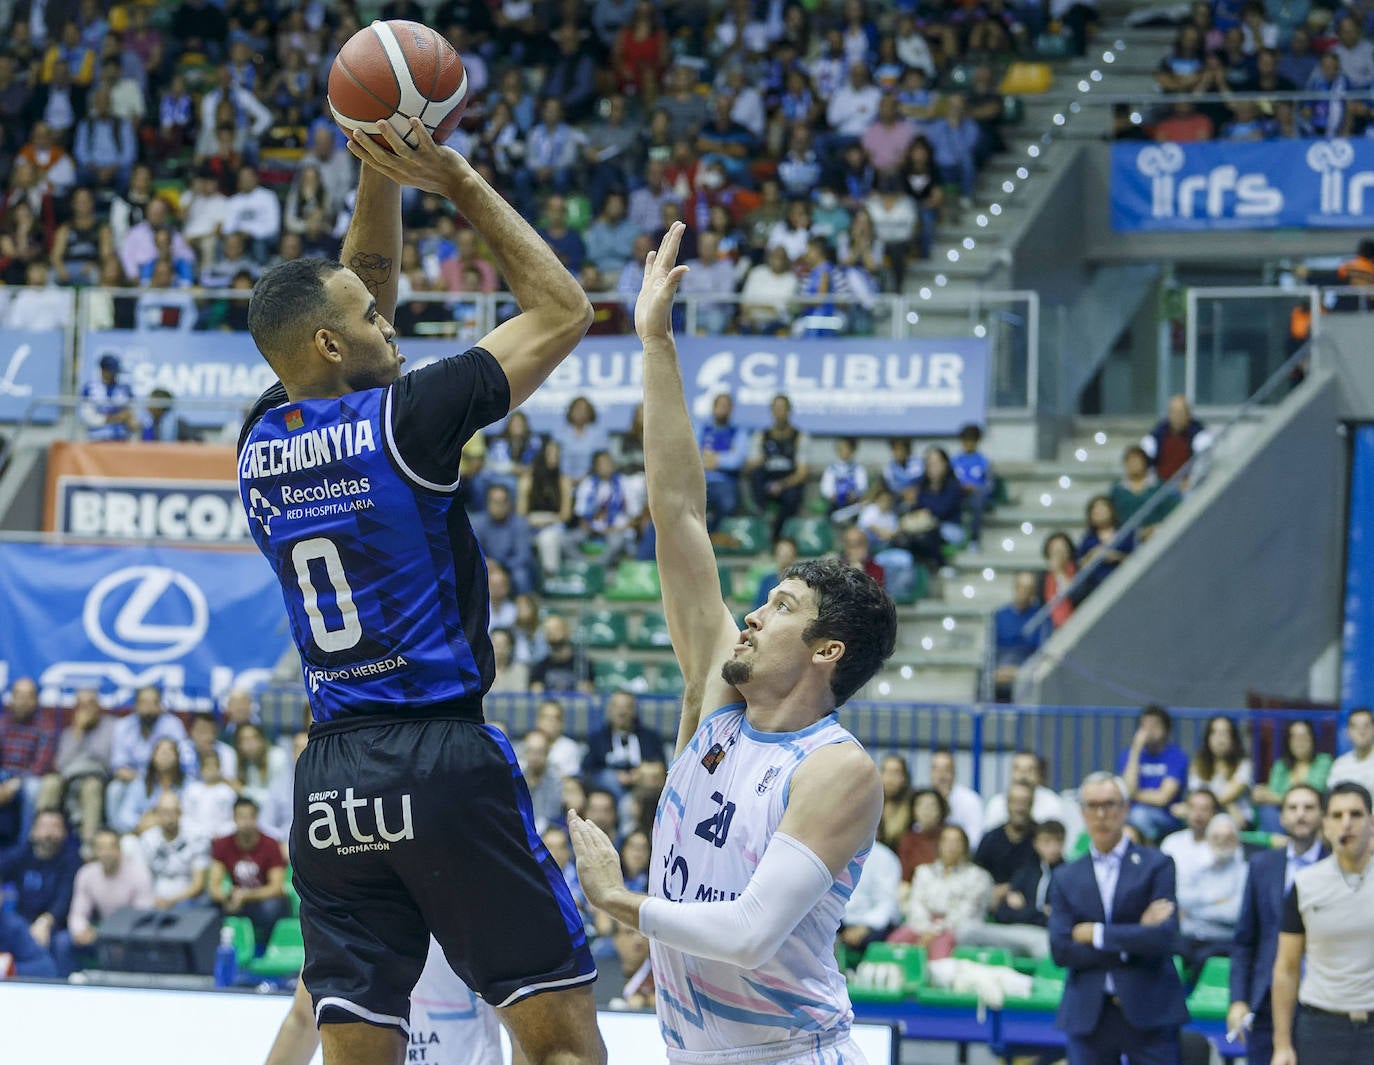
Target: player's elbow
754,949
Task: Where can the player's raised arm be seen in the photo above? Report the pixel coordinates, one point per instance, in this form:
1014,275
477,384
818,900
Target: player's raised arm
702,630
554,311
372,245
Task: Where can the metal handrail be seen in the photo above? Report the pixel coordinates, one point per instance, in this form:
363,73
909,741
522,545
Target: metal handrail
1198,462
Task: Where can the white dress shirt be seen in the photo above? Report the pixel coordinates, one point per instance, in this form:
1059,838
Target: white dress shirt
1107,871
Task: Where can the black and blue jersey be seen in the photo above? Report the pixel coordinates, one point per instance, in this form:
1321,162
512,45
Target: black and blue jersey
352,501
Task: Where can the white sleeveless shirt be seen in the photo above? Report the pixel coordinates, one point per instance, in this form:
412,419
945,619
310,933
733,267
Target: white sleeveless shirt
723,800
449,1025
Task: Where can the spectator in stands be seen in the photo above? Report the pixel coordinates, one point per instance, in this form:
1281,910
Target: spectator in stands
1209,897
565,241
602,811
255,212
954,139
581,438
107,407
1028,769
562,669
108,883
27,749
1006,848
902,470
1188,846
41,873
246,110
208,801
897,815
1221,766
56,170
1155,772
1027,903
949,895
1102,547
1184,124
1014,645
30,960
506,537
873,911
974,471
844,483
1113,926
640,804
853,106
936,517
792,232
1357,764
22,247
204,739
888,137
1060,570
711,274
621,744
140,245
105,147
511,453
163,774
565,753
724,451
260,763
855,551
239,709
247,872
610,238
1182,69
1299,60
81,243
511,675
1178,438
503,609
1136,489
1298,763
545,784
545,500
766,294
604,511
778,472
878,518
965,807
176,860
82,765
784,554
1267,882
920,843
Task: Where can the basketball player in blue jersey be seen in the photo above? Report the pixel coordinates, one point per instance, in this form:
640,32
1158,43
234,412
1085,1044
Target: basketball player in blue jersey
411,816
771,806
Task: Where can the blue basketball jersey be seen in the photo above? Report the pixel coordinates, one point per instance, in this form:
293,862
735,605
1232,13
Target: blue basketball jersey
352,500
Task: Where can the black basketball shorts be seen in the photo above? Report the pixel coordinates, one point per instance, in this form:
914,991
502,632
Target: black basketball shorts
410,827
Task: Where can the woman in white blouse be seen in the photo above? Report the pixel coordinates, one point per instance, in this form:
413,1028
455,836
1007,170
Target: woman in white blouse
1221,766
948,894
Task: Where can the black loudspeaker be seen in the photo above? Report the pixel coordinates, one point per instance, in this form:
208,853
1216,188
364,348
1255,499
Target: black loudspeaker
159,941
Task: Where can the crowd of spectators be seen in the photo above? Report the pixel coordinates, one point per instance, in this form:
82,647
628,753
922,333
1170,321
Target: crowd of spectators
812,148
1226,48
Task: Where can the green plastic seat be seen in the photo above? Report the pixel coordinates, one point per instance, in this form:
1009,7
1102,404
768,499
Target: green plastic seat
1080,846
1216,972
748,586
285,953
669,680
578,579
984,955
245,946
615,673
601,629
1046,969
292,895
579,212
727,581
909,958
1210,1002
635,582
1256,839
1044,997
743,535
814,536
652,634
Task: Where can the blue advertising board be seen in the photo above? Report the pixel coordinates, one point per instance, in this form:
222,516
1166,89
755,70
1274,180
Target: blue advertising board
31,365
195,623
1221,185
852,386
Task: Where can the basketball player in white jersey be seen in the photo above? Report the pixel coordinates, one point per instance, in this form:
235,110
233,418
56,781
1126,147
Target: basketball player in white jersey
447,1021
771,806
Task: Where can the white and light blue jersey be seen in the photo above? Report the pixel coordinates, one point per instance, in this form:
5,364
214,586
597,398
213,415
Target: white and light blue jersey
449,1025
724,798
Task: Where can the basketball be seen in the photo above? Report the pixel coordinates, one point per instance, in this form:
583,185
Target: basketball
393,71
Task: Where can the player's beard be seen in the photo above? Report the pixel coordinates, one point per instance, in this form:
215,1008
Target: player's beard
737,671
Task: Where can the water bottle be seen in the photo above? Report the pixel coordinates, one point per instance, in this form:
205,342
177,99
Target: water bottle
226,960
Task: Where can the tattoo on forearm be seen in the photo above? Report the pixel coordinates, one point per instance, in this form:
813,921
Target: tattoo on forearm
372,269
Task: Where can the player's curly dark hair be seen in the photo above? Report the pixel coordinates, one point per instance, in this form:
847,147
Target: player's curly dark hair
289,302
850,607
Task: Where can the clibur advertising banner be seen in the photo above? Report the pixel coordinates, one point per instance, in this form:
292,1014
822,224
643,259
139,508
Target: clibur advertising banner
31,365
866,386
145,491
1220,185
194,623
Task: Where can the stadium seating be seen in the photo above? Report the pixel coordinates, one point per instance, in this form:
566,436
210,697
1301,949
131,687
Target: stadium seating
285,953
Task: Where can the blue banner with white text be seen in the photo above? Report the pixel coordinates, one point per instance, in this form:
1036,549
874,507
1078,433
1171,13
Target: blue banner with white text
194,623
31,365
1222,185
867,386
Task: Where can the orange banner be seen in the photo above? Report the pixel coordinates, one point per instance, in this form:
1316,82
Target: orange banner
144,491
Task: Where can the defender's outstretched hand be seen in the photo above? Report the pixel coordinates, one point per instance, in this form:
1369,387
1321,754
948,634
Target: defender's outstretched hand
654,307
422,164
598,864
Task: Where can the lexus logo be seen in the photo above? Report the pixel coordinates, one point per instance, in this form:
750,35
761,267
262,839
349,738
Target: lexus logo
131,637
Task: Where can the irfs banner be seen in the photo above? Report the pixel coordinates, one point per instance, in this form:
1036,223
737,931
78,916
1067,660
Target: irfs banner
31,366
867,386
186,492
195,623
1242,185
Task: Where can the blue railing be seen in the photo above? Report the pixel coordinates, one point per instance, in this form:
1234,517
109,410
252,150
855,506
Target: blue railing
1073,740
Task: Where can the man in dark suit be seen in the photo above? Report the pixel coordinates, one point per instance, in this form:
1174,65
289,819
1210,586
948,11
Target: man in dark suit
614,750
1261,916
1113,926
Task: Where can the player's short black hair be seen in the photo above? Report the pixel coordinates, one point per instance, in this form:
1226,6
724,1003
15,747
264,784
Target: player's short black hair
289,303
850,607
1349,787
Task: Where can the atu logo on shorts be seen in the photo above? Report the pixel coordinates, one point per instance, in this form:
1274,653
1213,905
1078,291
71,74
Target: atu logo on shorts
324,825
